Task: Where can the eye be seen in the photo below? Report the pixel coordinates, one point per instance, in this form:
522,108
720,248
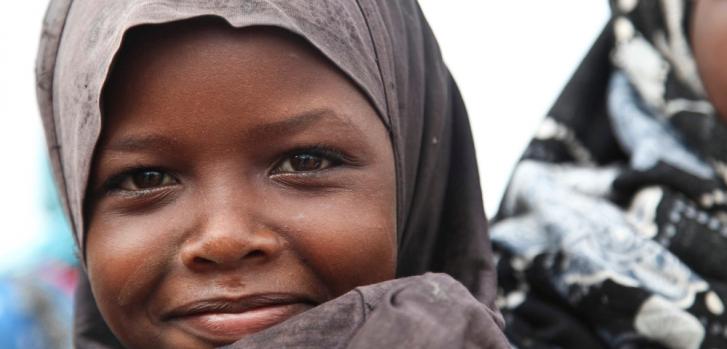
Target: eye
303,163
144,180
309,161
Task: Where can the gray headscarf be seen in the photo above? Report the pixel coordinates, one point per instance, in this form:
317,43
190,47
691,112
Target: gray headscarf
385,47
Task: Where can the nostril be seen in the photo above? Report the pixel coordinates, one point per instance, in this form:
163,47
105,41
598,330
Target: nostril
217,250
256,254
202,261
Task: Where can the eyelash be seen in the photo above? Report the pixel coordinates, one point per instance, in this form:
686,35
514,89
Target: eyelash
112,185
335,156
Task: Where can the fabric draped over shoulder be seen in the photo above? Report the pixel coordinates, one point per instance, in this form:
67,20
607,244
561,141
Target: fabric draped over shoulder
385,47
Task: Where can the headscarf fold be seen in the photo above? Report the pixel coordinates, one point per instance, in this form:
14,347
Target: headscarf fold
613,229
385,47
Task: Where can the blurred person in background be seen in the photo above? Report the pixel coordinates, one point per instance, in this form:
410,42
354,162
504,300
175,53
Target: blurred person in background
613,230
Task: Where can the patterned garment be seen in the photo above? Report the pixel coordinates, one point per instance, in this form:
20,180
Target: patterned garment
613,231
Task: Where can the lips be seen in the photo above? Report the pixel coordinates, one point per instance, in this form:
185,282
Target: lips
224,321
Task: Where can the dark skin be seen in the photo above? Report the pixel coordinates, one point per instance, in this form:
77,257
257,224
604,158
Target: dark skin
709,43
240,179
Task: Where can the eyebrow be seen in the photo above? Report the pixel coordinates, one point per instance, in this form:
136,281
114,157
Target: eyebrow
293,124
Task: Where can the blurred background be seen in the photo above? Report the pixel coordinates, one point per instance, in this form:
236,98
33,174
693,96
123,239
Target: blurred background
510,58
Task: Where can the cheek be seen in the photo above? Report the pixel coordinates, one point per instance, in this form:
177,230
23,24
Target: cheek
348,239
127,257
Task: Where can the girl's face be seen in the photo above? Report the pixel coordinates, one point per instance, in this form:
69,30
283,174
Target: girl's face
240,179
709,41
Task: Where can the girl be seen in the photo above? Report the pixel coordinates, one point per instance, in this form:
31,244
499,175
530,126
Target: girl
614,227
256,173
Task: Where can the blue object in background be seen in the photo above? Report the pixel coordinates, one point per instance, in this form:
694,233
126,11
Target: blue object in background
36,290
33,315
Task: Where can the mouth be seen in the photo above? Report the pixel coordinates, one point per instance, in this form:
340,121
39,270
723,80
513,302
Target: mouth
223,321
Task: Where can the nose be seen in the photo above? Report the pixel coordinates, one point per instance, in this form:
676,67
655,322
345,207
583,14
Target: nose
227,238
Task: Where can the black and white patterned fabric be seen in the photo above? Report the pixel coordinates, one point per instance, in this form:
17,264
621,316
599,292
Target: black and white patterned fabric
613,231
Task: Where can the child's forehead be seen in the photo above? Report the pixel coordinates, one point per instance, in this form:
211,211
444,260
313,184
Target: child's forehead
212,64
251,84
203,51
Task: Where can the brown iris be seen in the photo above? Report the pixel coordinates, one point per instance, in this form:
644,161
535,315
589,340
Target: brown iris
305,162
146,179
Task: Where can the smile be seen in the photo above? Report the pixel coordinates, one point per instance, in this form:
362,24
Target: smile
225,321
